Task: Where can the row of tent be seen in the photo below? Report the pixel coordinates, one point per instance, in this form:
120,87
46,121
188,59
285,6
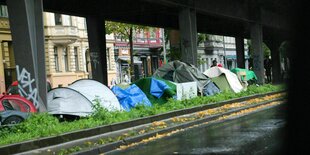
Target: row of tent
78,98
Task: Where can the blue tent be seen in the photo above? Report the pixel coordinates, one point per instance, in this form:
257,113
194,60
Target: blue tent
157,90
130,97
158,87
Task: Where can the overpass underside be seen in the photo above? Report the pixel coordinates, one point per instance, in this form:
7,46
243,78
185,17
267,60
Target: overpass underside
260,21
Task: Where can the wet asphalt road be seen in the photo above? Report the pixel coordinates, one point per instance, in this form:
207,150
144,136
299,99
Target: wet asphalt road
259,133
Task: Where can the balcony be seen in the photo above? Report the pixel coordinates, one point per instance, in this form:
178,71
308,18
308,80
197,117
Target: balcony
62,35
214,44
4,23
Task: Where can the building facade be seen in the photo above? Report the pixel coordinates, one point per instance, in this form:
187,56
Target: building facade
222,49
7,65
147,47
67,55
111,64
66,50
65,47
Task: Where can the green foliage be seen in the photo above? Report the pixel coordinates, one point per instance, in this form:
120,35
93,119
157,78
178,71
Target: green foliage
125,31
122,29
174,53
44,121
69,151
266,50
202,38
201,61
43,124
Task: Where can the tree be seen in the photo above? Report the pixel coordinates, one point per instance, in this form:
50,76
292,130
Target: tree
201,38
125,31
266,50
174,50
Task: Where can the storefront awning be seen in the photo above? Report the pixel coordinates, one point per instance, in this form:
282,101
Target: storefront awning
127,58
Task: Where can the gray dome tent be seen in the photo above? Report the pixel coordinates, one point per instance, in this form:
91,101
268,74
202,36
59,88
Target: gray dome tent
77,99
93,90
180,72
67,101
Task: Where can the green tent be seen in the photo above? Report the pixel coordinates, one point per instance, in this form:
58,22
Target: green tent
250,75
145,85
222,82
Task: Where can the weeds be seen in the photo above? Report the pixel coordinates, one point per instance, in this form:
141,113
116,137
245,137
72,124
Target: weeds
43,124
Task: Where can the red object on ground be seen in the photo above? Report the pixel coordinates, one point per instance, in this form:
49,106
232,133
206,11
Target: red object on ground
17,102
15,83
219,65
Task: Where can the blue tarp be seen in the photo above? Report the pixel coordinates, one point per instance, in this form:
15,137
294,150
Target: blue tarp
130,97
211,89
158,87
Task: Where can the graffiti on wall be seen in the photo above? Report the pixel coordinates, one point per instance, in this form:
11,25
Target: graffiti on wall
95,59
25,86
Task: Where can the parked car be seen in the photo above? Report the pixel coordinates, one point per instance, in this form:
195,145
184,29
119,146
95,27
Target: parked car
14,109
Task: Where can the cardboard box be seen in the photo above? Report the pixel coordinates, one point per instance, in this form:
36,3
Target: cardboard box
186,90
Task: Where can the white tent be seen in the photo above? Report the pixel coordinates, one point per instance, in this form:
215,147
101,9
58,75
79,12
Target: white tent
93,90
232,78
68,101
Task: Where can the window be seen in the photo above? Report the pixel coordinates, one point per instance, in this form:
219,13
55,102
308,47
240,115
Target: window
76,59
145,67
65,58
56,58
3,11
154,64
58,20
108,58
14,104
7,106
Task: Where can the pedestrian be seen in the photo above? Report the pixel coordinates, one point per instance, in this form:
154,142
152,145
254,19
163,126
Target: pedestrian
126,78
268,66
214,63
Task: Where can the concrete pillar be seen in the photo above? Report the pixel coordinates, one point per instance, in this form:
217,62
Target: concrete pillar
97,48
174,38
276,64
258,55
240,52
26,23
188,30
